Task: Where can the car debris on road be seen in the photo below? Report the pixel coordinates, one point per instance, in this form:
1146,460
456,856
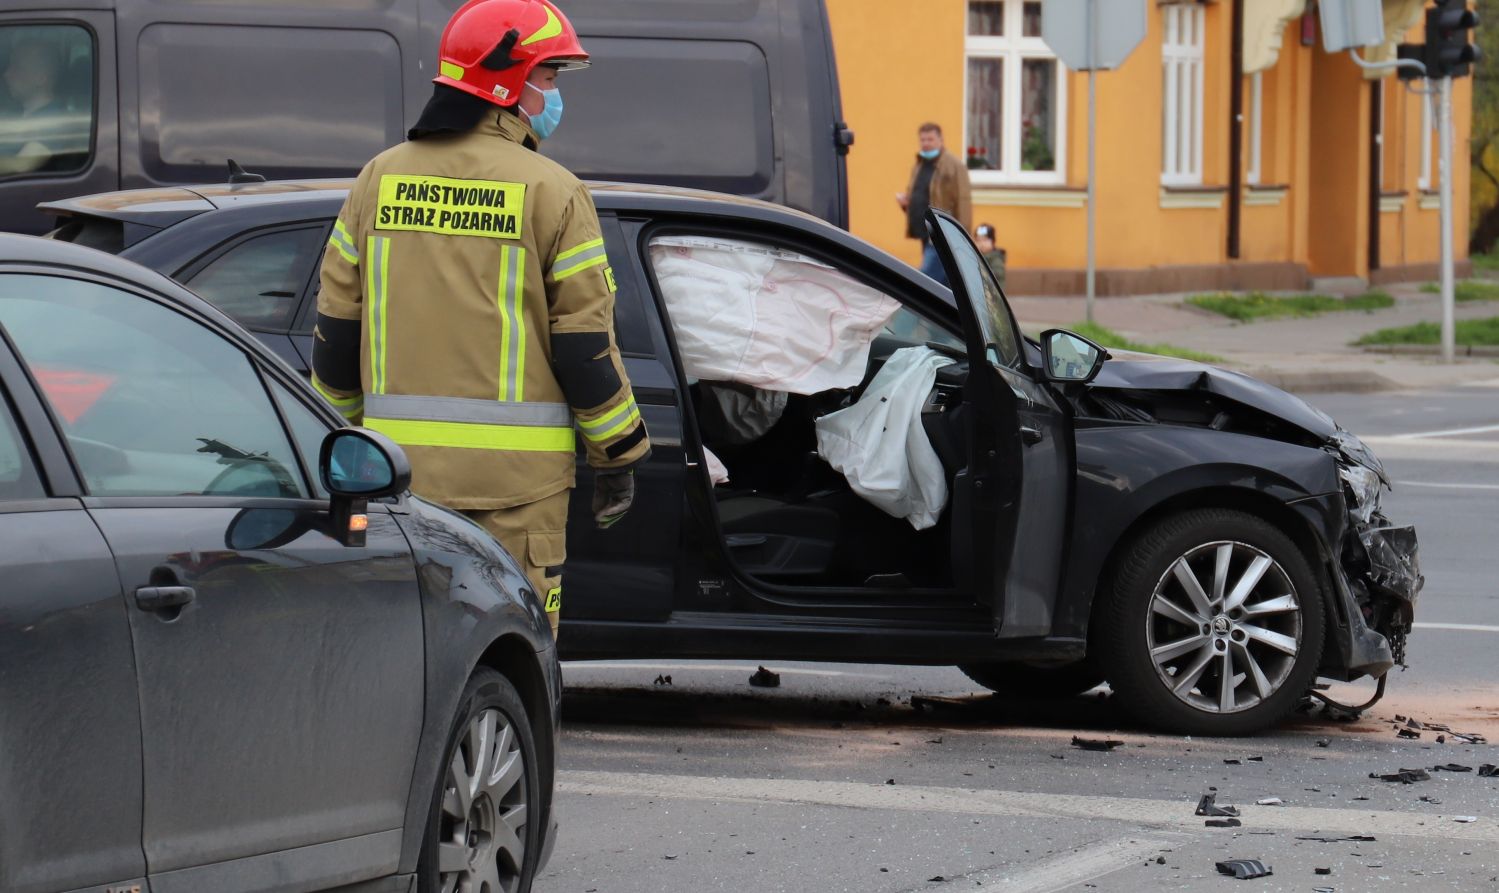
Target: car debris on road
1245,869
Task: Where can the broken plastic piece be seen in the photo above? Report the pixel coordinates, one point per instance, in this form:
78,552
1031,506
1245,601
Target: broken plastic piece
1270,801
1256,759
1207,805
1470,738
764,678
1451,767
663,680
1245,869
1408,733
1404,776
1322,870
1095,743
1223,823
1354,838
1488,770
1435,801
1231,763
1324,742
1465,819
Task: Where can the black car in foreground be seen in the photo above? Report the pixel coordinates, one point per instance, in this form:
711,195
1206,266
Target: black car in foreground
854,464
234,654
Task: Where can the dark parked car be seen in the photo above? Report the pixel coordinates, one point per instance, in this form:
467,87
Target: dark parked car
1205,542
234,654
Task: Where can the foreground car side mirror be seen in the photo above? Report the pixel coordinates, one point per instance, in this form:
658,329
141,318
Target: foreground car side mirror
1070,358
355,466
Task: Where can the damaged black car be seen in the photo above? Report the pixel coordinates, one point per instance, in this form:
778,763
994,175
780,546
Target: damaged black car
853,463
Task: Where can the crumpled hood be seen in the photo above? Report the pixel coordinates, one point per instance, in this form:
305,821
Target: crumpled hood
1132,371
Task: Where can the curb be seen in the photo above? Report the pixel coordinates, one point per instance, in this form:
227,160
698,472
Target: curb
1322,382
1432,350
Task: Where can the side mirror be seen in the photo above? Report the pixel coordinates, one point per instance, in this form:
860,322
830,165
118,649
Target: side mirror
357,465
1070,358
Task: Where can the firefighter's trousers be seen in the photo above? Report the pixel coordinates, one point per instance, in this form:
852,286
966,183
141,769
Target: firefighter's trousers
536,534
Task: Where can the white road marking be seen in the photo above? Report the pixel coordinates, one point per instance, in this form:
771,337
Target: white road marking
1450,432
1466,627
1079,866
724,668
1447,486
1170,815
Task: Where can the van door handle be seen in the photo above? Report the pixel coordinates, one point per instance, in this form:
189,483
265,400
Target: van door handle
1031,436
163,598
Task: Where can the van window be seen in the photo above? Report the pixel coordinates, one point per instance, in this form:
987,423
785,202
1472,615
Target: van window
665,103
284,102
46,99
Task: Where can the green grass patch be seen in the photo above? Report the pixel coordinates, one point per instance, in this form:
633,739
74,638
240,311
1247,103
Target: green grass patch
1488,263
1107,337
1470,332
1258,305
1467,290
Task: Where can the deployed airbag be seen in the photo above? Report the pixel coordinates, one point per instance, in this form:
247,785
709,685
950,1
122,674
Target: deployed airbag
880,446
766,317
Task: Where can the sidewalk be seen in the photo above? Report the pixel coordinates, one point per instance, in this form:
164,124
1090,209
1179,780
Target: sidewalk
1306,355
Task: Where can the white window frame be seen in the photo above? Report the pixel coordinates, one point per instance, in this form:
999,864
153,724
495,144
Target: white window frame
1182,63
1014,49
1256,128
1423,176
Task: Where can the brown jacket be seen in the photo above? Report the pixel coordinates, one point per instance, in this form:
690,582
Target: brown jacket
950,190
476,273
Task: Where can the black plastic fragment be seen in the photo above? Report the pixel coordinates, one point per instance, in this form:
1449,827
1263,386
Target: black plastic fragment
1322,870
1352,838
1470,738
1324,742
663,680
1231,763
1404,776
1207,805
1095,743
764,678
1245,869
1223,823
1256,759
1452,767
1488,770
1408,733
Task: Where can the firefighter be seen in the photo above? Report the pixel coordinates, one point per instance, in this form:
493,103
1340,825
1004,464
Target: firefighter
467,304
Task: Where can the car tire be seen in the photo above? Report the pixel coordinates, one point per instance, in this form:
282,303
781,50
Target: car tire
1257,609
484,833
1020,681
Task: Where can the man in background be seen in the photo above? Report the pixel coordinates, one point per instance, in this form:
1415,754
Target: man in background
939,180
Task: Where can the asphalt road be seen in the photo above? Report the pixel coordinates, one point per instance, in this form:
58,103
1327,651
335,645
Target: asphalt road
837,781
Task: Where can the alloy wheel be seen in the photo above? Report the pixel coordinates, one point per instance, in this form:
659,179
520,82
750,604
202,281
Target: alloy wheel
482,824
1224,627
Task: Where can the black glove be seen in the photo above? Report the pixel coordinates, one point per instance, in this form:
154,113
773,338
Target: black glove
613,494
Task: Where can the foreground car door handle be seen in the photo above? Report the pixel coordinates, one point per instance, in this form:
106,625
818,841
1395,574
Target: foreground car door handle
1030,435
163,598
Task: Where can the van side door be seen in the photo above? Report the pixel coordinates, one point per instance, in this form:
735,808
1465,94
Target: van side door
62,138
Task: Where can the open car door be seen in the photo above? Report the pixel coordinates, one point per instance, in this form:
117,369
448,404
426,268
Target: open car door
1012,503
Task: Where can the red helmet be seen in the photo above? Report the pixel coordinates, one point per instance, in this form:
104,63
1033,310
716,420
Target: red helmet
490,47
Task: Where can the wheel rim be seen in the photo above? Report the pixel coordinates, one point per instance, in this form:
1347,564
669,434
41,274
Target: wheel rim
482,825
1224,627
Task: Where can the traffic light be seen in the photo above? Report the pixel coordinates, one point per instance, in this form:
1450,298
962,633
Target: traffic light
1448,53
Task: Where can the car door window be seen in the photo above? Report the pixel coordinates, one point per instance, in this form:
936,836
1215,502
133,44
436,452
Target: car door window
910,326
18,478
259,280
46,99
996,325
151,402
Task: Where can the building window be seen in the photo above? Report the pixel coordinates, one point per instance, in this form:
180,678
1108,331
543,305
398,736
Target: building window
1181,58
1016,120
1256,129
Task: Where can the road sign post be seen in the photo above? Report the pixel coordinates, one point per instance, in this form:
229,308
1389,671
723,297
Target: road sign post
1088,35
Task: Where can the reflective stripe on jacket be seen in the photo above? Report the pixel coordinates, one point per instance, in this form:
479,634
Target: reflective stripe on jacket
476,271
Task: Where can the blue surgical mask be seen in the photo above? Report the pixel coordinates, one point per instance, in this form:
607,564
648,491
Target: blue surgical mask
930,154
545,122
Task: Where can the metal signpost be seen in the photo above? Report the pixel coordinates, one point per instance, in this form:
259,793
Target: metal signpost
1088,35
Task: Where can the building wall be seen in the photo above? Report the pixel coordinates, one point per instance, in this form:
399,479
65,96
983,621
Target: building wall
1316,146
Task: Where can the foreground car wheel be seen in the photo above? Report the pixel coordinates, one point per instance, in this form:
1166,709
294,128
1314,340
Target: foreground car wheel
1022,681
1214,625
483,836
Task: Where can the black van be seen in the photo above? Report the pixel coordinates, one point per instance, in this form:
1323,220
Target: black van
737,96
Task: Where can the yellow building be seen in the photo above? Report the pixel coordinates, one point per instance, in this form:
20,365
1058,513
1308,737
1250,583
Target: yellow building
1337,170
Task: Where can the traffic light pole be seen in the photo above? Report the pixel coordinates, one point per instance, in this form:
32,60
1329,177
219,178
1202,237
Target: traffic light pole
1444,136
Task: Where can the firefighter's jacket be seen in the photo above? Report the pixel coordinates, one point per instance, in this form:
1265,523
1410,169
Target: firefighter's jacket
467,312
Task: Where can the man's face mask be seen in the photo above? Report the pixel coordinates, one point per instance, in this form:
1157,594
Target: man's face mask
929,154
545,121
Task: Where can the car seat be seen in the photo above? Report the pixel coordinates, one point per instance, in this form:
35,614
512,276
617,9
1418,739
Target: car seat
777,539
